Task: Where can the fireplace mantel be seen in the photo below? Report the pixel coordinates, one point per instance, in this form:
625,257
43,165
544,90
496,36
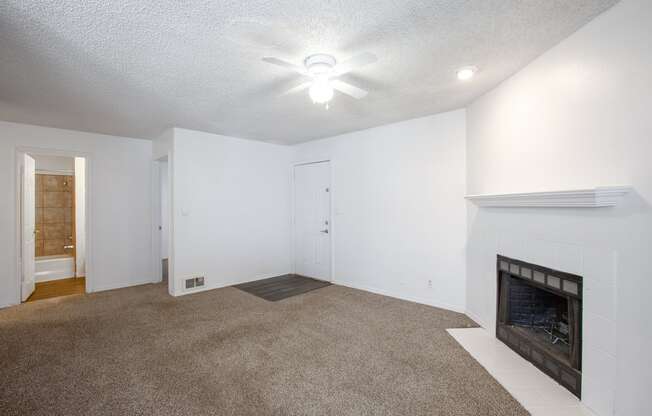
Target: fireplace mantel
603,196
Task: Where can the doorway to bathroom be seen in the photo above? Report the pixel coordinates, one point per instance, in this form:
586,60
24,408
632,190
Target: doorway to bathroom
51,224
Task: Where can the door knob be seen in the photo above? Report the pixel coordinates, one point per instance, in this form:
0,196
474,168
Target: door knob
324,231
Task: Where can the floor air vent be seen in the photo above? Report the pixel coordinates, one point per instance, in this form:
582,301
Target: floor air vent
194,282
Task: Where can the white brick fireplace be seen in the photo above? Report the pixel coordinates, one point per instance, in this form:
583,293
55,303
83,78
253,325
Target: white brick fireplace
571,240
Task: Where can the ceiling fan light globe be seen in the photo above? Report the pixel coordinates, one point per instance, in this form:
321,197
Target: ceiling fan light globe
321,91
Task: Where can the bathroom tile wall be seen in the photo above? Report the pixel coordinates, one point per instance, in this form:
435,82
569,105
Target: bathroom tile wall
54,214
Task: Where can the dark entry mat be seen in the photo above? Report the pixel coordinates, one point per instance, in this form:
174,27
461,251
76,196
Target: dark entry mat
281,287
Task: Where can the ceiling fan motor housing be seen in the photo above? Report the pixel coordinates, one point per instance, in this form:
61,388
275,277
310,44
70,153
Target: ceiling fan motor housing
320,64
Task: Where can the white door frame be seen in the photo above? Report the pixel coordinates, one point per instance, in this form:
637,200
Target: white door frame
28,193
331,221
156,221
20,151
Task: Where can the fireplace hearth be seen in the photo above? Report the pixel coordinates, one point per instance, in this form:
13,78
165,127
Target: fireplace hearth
540,317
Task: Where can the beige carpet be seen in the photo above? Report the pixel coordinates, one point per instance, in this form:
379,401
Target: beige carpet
333,351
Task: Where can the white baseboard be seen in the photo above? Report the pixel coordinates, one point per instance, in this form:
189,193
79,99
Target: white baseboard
7,305
415,299
423,301
183,291
120,286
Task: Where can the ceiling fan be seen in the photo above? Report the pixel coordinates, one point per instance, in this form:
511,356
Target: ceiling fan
324,70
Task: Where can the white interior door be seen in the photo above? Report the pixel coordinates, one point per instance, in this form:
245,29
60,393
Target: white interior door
28,216
312,216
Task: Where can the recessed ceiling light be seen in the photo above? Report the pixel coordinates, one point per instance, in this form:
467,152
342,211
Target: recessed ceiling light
466,73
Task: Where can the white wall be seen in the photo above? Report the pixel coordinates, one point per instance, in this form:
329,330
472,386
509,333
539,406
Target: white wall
120,219
163,145
231,209
578,116
55,164
399,211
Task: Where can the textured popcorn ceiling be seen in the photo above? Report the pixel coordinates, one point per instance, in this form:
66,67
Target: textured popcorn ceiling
136,67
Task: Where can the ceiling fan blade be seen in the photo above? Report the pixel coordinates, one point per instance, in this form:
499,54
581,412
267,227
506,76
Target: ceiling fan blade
285,64
298,88
357,61
348,89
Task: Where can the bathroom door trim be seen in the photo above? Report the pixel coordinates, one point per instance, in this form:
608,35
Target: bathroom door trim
20,151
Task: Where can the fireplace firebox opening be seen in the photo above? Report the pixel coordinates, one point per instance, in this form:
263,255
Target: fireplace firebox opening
540,317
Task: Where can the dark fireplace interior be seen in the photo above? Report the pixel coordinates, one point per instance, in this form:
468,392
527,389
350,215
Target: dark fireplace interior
540,317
